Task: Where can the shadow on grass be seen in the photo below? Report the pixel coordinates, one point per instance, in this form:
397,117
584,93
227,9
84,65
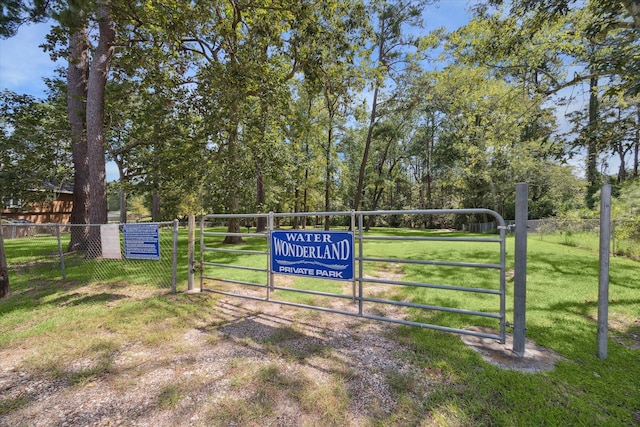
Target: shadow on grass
42,293
80,299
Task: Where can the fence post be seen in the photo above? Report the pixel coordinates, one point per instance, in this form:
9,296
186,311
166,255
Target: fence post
353,282
174,270
613,238
4,270
270,279
603,280
520,269
61,253
191,251
201,264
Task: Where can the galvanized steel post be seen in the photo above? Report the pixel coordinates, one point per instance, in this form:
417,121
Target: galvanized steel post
353,229
61,253
520,269
174,269
201,253
270,278
603,282
360,266
191,251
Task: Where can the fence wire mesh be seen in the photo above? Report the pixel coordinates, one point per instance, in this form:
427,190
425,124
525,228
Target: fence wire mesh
37,252
585,233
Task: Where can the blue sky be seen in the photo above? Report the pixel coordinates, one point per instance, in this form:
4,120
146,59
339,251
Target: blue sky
24,65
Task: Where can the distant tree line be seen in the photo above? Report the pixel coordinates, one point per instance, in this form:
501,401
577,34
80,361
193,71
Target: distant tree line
230,106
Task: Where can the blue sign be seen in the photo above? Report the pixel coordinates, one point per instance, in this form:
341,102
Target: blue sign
141,241
322,254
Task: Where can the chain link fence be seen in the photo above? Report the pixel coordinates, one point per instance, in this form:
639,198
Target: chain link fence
625,234
144,253
584,233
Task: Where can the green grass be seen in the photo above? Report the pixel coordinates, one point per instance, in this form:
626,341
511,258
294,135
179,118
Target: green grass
619,245
73,330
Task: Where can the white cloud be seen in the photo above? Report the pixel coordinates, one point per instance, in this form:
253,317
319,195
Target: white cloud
23,64
112,171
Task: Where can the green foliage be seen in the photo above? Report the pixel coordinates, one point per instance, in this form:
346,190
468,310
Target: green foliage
34,147
626,204
80,333
625,212
226,106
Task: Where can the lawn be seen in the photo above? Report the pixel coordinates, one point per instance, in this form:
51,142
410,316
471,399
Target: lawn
82,336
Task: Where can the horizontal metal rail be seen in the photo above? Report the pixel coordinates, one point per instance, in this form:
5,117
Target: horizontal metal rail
310,292
430,307
433,239
234,216
431,326
429,262
237,282
433,286
222,233
358,296
233,251
239,267
363,316
288,303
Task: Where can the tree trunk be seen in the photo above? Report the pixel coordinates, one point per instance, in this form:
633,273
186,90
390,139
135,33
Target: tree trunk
261,223
365,156
123,203
633,7
77,72
429,174
372,122
155,205
296,202
4,270
327,184
122,194
95,125
305,192
636,146
233,225
592,145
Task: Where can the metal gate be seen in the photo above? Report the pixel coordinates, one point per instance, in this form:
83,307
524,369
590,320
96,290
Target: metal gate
245,270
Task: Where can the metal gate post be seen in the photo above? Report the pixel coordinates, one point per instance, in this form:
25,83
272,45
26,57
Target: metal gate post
270,284
360,266
353,282
174,267
191,250
520,269
61,253
603,280
503,284
201,253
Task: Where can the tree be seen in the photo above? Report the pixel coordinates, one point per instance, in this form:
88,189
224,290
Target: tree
77,75
34,147
4,271
85,92
394,47
34,151
96,86
610,24
487,134
538,42
305,135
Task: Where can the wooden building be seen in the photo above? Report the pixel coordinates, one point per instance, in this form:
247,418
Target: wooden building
53,207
